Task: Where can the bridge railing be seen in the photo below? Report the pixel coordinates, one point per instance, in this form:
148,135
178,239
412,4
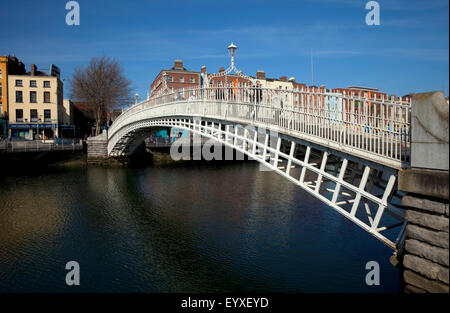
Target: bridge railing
377,126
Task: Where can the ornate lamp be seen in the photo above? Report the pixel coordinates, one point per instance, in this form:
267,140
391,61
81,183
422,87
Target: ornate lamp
232,51
164,88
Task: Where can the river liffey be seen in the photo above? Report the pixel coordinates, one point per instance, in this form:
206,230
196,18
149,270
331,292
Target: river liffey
193,227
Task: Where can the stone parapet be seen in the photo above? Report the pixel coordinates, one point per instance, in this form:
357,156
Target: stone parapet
430,131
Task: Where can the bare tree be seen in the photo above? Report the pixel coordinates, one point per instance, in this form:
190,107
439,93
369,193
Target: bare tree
103,86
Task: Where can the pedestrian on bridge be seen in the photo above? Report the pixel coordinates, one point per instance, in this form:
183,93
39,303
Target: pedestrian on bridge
258,91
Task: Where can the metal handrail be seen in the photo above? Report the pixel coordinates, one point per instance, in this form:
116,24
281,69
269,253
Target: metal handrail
40,146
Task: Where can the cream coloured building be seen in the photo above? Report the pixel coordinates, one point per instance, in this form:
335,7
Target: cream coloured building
282,84
35,102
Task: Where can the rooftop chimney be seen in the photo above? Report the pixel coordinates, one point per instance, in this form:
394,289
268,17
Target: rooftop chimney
178,64
283,78
260,75
33,69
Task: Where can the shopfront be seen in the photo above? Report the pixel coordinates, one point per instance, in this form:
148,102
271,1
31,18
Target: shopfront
33,131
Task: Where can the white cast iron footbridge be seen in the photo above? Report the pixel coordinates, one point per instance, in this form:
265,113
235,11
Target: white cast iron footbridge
344,150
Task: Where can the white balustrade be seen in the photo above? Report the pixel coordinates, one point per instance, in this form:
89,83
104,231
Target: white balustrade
374,128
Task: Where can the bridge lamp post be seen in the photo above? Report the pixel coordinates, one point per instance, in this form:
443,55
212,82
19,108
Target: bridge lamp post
232,51
136,97
165,77
39,121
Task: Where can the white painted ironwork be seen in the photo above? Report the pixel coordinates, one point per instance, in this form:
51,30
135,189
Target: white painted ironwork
375,129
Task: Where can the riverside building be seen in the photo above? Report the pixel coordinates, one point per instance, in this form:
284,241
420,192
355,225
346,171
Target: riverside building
35,100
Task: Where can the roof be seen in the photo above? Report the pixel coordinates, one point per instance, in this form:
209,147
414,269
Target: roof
173,69
363,88
36,74
85,108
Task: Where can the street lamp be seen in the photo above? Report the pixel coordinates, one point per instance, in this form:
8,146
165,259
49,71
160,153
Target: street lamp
39,121
232,51
165,77
136,96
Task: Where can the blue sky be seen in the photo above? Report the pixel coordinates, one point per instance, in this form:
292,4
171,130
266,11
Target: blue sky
408,52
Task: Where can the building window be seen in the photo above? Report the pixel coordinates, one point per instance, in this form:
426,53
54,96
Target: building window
181,79
19,115
0,73
171,89
1,90
192,80
47,116
33,83
170,78
19,83
19,96
33,115
33,97
46,97
46,84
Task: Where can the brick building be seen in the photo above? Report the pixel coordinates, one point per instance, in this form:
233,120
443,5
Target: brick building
179,79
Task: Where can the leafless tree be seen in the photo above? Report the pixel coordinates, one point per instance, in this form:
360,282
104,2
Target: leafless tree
103,86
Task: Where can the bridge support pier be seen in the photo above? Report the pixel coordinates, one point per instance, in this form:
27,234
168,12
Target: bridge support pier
97,147
425,257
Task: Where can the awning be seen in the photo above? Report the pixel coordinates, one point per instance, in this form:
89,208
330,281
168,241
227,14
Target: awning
67,126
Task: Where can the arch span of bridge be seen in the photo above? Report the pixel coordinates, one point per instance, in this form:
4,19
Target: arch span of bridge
344,150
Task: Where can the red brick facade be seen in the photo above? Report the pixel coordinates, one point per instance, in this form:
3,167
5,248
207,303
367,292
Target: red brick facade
178,78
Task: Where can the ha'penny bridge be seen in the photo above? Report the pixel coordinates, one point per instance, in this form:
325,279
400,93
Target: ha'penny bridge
380,162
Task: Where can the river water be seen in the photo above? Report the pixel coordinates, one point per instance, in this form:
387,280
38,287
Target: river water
191,227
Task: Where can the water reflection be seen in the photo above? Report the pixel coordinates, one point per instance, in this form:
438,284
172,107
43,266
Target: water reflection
209,227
